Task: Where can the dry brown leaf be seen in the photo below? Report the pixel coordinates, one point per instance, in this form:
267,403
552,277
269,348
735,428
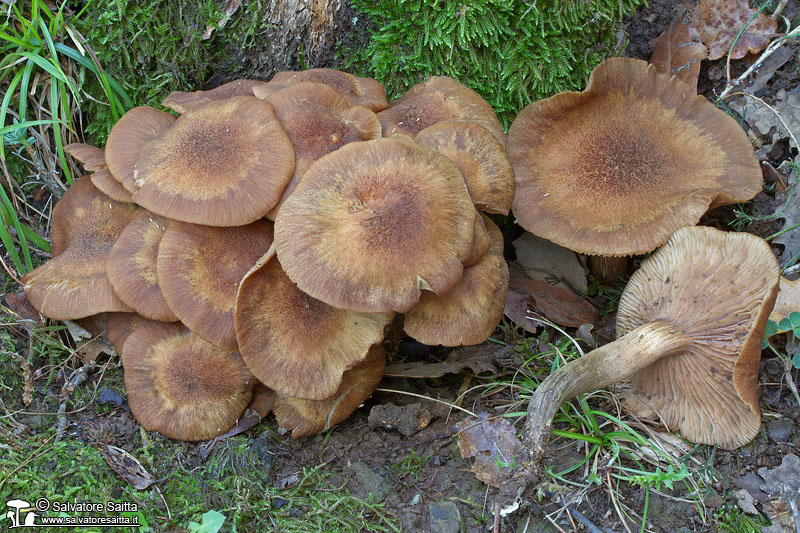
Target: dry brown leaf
678,51
545,260
719,22
27,315
479,358
555,303
518,306
127,467
494,445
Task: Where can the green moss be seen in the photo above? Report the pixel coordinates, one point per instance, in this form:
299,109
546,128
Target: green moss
510,52
155,47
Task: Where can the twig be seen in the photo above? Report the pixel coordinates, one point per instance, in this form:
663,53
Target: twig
590,527
774,111
496,528
429,398
771,49
614,501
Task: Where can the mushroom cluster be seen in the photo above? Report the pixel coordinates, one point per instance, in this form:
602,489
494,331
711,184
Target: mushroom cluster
269,233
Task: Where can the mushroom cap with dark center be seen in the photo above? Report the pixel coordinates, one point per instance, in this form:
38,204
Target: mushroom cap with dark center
375,222
293,343
182,386
616,169
469,312
480,157
306,417
437,99
73,284
184,101
222,164
356,90
131,266
199,270
128,136
318,121
718,288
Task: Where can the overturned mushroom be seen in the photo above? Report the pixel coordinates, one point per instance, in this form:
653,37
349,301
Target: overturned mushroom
689,328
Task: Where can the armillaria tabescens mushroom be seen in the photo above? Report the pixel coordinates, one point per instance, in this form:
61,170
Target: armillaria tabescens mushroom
689,327
616,169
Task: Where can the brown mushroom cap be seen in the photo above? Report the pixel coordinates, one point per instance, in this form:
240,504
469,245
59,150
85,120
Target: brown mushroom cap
91,157
356,90
119,326
318,121
720,297
108,185
375,222
293,343
222,164
131,266
480,157
306,417
469,312
182,386
437,99
199,270
480,242
128,136
184,101
74,284
614,170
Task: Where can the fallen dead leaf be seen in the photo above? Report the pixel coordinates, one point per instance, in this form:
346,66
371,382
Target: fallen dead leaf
127,467
787,301
27,315
547,261
494,445
250,417
518,305
478,358
790,213
782,485
719,22
678,51
555,303
765,122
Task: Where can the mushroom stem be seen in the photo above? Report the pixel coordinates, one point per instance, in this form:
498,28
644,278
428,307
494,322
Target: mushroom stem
609,269
595,370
